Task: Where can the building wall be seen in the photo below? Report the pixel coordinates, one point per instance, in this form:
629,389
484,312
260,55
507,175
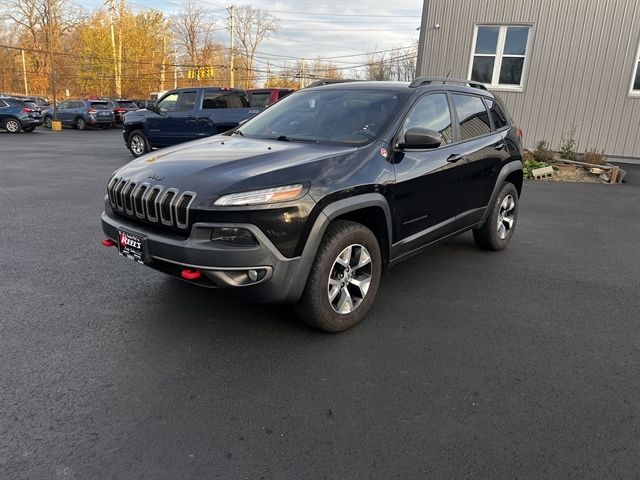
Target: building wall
579,72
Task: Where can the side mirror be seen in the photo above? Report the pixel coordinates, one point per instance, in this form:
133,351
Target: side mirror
417,137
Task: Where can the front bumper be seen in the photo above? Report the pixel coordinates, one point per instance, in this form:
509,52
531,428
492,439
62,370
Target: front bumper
279,278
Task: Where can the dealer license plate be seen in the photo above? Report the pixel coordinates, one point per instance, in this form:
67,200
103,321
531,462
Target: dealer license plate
131,246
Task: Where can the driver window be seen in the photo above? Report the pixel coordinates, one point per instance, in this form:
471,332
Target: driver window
432,112
169,103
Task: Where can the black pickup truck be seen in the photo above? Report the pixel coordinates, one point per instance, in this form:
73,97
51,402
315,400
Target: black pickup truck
185,114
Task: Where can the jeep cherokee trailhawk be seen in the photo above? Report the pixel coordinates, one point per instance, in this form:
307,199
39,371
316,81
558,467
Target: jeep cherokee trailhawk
308,202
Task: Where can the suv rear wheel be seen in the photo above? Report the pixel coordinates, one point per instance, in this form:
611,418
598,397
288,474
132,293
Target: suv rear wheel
47,121
138,143
497,230
344,278
80,123
12,125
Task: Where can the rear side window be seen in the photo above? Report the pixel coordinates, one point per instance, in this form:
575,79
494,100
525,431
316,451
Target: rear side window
3,104
472,115
432,112
217,99
499,118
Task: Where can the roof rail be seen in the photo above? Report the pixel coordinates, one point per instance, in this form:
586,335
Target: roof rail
456,81
330,81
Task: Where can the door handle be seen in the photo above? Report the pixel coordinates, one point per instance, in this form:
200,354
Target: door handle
499,145
455,158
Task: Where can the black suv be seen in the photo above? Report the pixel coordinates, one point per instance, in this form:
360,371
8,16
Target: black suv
311,200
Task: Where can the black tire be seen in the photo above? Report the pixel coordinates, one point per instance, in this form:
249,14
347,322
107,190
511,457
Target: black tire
47,121
29,129
12,125
498,229
315,306
80,123
137,143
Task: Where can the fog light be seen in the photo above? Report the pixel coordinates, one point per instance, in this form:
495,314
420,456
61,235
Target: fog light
253,275
233,236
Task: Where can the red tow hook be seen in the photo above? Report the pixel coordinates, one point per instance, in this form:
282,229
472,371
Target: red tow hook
107,242
191,274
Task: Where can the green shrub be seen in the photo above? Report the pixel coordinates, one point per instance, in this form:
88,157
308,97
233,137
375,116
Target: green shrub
529,163
569,144
543,153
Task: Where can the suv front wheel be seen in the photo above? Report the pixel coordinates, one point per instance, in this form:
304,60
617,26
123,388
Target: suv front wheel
496,231
344,278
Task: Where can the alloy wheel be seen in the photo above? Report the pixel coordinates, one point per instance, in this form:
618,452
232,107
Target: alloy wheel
12,126
349,279
137,145
506,216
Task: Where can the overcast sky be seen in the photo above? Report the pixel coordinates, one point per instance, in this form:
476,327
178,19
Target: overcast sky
311,29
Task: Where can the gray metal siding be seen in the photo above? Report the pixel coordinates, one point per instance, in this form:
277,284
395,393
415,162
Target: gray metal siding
579,65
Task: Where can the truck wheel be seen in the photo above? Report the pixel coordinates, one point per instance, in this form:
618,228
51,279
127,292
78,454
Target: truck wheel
138,143
12,126
496,231
344,278
80,123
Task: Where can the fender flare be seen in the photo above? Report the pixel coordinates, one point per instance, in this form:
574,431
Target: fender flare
327,215
504,173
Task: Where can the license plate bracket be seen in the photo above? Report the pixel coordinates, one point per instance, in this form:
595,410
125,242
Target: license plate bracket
131,246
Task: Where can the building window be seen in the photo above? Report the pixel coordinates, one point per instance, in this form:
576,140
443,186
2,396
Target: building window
499,55
635,86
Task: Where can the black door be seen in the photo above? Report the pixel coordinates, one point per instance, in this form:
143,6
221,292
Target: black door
484,152
428,181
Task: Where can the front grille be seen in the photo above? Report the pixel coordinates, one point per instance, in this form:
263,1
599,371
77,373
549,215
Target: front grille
155,204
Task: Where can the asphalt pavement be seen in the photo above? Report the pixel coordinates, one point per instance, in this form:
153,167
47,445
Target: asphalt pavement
518,364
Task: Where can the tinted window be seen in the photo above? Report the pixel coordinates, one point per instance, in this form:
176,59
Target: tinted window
169,103
101,105
260,99
187,101
636,83
499,118
3,104
472,115
128,104
346,117
432,112
284,93
222,99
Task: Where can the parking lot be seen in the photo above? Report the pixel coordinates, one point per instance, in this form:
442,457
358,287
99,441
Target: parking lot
518,364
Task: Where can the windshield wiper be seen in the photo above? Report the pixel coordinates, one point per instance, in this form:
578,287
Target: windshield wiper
284,138
237,132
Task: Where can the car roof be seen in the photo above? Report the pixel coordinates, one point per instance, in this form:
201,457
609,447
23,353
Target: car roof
461,86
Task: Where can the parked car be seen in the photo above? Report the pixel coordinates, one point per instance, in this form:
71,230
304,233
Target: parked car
125,107
310,201
41,102
185,114
263,97
81,114
16,115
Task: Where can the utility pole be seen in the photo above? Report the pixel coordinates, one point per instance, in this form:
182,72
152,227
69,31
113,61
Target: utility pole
119,77
112,9
231,52
163,68
51,60
175,76
24,74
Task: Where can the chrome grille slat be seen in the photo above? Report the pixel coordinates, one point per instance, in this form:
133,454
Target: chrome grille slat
153,203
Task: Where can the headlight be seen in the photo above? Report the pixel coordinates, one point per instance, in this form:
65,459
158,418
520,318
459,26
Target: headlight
258,197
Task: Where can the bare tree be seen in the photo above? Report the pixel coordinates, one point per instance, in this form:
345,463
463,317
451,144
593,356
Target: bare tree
252,26
193,32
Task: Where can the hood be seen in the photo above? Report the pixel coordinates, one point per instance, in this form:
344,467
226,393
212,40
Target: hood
222,164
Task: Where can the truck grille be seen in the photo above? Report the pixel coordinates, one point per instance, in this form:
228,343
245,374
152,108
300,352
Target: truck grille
153,203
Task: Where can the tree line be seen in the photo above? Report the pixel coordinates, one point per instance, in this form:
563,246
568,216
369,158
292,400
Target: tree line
119,52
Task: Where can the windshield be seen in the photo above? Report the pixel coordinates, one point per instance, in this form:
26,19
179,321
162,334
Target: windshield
348,117
260,99
100,105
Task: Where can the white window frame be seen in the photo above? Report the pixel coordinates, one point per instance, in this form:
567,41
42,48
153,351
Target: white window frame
499,55
636,67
